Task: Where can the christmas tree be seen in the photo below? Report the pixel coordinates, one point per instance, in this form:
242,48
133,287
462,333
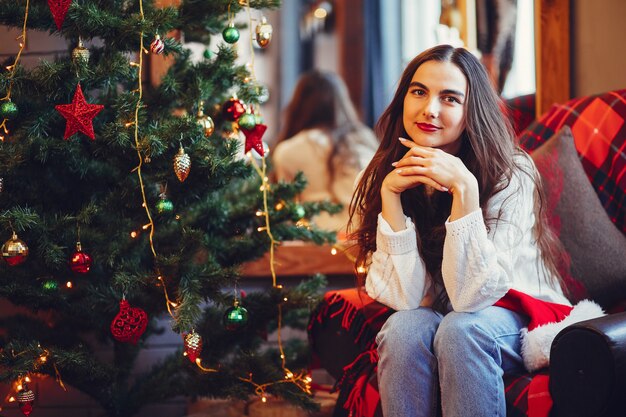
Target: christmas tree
121,202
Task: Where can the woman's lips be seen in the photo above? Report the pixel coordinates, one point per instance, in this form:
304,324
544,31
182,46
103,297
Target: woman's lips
427,127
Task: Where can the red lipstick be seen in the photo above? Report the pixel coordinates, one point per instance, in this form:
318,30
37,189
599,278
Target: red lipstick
427,127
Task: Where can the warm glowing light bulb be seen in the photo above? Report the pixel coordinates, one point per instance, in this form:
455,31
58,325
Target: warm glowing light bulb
264,399
360,269
333,251
11,399
259,213
280,206
320,13
27,379
133,234
19,387
285,299
69,284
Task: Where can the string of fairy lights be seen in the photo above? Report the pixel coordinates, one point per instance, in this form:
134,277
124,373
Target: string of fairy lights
8,108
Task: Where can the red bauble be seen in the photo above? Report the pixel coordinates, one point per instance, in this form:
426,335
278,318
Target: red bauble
254,138
79,115
129,324
233,109
80,262
59,9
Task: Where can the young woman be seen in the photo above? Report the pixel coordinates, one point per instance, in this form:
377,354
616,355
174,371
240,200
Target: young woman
323,137
450,220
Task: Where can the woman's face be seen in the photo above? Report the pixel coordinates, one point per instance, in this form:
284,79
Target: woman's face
434,106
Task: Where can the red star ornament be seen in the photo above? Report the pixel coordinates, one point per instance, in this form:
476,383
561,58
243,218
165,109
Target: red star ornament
59,9
253,138
79,115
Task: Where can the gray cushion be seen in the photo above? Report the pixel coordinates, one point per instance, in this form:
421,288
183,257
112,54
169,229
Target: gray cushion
596,247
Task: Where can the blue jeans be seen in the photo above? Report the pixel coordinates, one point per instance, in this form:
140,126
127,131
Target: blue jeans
460,356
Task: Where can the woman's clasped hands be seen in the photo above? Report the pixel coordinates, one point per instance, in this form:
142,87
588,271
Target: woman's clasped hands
429,166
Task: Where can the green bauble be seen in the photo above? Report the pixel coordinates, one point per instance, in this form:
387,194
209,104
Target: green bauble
235,318
247,121
298,212
230,34
207,54
164,206
50,285
8,110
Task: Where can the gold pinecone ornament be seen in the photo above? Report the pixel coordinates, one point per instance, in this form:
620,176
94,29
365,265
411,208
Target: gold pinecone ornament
193,346
263,33
25,399
182,164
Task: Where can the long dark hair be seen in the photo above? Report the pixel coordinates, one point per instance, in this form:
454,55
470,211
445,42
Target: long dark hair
488,150
321,100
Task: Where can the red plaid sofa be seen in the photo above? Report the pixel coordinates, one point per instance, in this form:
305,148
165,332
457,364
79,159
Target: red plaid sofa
587,375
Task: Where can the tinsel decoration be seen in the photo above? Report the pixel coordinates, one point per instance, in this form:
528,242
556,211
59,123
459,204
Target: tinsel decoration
230,33
157,46
254,139
59,9
129,324
233,109
25,399
79,115
193,345
205,122
1,184
14,251
80,54
8,110
80,262
235,317
182,164
263,33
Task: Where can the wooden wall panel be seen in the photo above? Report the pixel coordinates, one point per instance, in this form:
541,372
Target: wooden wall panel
552,52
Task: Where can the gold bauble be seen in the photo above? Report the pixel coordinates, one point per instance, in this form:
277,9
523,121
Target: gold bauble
14,251
80,54
206,122
263,33
182,164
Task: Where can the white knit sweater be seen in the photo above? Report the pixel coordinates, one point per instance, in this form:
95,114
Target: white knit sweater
478,267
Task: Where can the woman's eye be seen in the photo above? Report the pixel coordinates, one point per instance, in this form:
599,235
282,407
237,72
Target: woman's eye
451,99
418,92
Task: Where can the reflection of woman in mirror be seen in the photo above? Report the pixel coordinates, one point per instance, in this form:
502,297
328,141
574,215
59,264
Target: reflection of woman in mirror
323,137
496,21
